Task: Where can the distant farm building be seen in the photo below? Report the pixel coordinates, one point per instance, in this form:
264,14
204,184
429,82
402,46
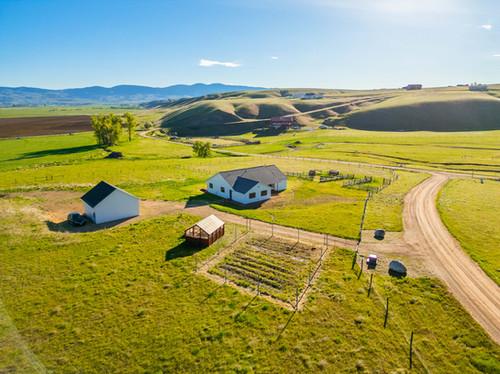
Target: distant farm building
106,203
412,87
281,122
307,95
249,185
205,232
478,87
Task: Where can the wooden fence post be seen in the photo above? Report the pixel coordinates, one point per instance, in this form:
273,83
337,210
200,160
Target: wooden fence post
411,350
370,287
361,267
386,313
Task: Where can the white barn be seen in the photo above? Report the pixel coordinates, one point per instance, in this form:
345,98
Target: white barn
106,203
249,185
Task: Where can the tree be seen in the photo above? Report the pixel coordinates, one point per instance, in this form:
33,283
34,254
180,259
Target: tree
130,124
107,129
201,149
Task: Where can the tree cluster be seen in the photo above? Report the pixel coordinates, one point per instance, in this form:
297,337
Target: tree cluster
201,149
108,127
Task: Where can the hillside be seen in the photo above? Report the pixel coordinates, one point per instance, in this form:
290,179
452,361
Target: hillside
441,109
436,111
122,94
237,113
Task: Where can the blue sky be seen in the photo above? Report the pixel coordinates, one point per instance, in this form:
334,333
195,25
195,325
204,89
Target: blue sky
271,43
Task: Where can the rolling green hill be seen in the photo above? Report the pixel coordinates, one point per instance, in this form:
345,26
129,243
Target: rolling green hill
430,111
440,109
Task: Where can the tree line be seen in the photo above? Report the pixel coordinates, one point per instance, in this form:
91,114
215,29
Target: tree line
109,127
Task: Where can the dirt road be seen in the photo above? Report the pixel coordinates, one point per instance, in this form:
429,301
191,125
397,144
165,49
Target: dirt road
425,233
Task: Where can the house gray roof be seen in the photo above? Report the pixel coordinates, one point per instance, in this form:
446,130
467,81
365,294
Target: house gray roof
98,193
242,180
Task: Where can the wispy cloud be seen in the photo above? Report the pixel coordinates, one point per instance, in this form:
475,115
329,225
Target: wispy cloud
496,55
392,6
487,26
209,63
274,58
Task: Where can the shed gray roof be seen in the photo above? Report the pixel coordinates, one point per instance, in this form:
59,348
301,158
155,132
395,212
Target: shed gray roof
98,193
242,180
210,224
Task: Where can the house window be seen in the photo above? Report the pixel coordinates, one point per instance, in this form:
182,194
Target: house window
252,195
263,193
210,185
222,189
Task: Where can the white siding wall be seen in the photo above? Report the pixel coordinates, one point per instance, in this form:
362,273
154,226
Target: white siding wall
281,186
257,189
218,182
118,205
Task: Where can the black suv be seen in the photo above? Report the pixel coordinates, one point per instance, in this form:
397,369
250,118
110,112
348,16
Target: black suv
76,219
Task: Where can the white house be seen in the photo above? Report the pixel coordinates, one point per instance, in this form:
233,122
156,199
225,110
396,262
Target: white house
106,203
249,185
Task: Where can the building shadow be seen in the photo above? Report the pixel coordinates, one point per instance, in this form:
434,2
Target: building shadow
65,227
202,199
183,249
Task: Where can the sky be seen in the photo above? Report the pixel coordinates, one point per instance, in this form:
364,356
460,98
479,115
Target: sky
269,43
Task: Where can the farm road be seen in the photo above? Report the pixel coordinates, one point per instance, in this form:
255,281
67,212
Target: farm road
426,234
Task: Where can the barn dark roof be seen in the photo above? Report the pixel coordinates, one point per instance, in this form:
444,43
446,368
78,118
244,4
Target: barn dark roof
98,193
241,179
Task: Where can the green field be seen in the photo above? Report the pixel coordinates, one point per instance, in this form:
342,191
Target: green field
49,111
470,211
155,169
461,151
127,300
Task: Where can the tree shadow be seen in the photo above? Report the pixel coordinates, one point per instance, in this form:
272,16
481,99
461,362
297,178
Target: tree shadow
184,249
55,152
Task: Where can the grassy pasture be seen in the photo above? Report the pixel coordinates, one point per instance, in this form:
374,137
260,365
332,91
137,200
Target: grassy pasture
461,151
127,300
470,211
155,169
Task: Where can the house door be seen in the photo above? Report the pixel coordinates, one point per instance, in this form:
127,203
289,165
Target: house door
230,194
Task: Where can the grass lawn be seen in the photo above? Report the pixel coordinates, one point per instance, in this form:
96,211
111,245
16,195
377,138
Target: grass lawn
331,208
127,300
470,211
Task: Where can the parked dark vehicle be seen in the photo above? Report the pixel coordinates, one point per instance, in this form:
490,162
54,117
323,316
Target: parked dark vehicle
397,269
379,234
371,261
76,219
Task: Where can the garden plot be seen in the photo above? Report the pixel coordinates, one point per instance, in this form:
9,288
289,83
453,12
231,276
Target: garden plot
273,268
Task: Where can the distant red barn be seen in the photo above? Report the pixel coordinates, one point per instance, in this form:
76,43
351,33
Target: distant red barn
279,122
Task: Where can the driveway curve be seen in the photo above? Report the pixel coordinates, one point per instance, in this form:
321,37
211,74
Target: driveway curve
426,235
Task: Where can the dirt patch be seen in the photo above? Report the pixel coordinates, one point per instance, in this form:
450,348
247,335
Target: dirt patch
54,206
30,126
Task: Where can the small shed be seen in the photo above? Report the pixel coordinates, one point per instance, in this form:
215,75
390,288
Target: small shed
106,203
206,231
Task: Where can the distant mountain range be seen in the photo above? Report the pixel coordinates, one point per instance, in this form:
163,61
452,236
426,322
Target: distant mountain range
117,95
